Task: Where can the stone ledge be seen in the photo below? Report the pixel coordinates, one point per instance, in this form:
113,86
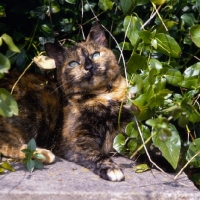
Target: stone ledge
65,180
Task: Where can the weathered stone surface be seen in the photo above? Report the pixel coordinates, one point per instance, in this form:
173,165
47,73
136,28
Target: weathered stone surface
65,180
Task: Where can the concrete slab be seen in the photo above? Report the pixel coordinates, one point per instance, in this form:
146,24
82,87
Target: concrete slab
65,180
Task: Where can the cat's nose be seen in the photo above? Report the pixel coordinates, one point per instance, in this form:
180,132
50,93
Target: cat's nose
88,65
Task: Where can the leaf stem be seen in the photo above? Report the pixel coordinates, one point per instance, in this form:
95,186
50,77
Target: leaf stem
186,165
145,148
23,74
159,15
141,146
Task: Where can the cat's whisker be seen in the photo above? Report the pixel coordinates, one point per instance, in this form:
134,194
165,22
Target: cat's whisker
67,82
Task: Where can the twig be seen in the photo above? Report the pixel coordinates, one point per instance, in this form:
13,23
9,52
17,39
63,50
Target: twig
121,53
50,10
92,10
186,165
151,17
23,74
141,146
82,20
146,148
82,31
125,37
93,18
159,16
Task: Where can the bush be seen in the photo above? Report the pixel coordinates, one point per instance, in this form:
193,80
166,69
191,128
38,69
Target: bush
157,43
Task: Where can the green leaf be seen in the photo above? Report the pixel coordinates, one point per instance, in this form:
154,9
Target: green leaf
154,43
9,41
126,46
27,151
158,98
131,130
195,178
132,145
136,62
46,30
39,12
170,148
30,165
38,164
145,112
136,84
189,82
154,63
151,122
160,84
152,76
126,5
55,7
145,36
105,5
70,1
8,105
141,168
193,70
149,92
189,19
141,2
4,64
173,76
2,12
193,149
183,121
2,170
88,6
195,34
39,156
132,27
193,114
119,143
167,45
7,166
31,145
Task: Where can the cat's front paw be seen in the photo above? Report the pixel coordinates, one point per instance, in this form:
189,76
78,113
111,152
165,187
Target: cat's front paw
115,174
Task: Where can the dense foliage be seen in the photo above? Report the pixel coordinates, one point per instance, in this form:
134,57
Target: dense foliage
157,43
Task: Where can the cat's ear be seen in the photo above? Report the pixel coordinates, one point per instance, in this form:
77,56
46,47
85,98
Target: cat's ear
97,35
56,52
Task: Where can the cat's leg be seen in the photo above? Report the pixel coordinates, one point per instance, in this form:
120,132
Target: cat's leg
85,153
16,152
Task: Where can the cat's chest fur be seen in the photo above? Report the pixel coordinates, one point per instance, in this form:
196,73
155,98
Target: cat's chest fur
97,112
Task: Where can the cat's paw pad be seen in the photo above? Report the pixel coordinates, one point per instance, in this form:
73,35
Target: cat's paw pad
115,174
50,157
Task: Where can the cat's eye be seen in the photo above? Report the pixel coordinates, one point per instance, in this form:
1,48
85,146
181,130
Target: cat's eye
74,64
96,55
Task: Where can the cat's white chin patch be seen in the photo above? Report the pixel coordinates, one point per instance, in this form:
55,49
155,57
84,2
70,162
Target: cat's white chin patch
115,175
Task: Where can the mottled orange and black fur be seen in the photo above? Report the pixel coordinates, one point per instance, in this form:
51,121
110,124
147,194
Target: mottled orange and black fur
76,117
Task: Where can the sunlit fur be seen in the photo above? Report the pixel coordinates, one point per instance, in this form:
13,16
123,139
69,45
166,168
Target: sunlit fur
76,116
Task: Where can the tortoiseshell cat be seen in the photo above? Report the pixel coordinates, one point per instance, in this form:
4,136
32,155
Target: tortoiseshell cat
75,117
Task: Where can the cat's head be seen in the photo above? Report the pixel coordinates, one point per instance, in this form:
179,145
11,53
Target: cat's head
88,66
